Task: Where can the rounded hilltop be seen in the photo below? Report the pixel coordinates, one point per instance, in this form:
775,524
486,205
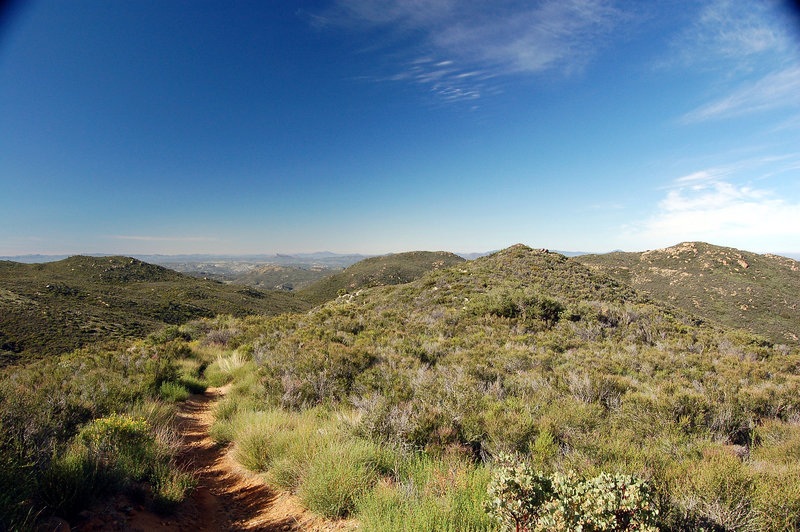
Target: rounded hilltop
392,269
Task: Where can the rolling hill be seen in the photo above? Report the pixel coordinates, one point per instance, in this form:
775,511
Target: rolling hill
397,268
760,293
55,307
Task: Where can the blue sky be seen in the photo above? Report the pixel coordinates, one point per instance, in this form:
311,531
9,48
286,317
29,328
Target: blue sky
379,126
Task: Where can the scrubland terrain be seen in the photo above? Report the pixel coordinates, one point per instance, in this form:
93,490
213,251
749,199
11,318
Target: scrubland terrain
55,307
397,268
522,390
737,288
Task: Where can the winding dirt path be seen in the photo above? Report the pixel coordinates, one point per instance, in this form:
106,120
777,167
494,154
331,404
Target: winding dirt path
227,497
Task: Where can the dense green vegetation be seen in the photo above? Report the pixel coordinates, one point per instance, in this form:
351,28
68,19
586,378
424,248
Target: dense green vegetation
737,288
55,307
397,268
533,354
92,423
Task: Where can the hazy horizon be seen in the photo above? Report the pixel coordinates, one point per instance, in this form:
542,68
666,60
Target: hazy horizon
306,254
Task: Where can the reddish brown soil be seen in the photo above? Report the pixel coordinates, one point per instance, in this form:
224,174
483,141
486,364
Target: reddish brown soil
226,498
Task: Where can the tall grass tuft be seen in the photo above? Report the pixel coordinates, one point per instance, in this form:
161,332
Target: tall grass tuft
432,494
71,479
173,392
338,476
170,485
226,368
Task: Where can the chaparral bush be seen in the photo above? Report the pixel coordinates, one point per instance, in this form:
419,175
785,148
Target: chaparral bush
524,499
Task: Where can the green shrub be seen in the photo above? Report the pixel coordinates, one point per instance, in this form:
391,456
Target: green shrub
338,475
286,472
156,413
193,384
277,442
720,491
227,413
604,503
244,398
173,392
518,494
121,444
127,449
16,487
254,442
776,501
528,305
524,499
107,455
170,486
168,334
161,365
225,368
190,373
439,495
71,480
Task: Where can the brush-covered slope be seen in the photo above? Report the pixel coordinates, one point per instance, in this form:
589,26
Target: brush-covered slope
58,306
275,277
397,268
532,353
737,288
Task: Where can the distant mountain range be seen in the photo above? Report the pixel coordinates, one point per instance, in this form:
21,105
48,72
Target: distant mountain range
319,258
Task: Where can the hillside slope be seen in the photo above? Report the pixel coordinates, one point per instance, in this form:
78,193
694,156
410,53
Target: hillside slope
397,268
58,306
532,353
760,293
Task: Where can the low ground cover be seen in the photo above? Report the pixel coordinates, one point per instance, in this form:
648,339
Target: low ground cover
91,423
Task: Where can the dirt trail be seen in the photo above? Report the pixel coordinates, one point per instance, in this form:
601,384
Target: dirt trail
226,498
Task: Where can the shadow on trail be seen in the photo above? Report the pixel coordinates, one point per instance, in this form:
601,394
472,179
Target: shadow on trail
226,497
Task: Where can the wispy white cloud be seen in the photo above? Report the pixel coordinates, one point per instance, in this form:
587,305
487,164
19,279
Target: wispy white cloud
733,32
709,205
790,123
722,211
149,238
455,46
776,89
751,47
555,35
702,176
